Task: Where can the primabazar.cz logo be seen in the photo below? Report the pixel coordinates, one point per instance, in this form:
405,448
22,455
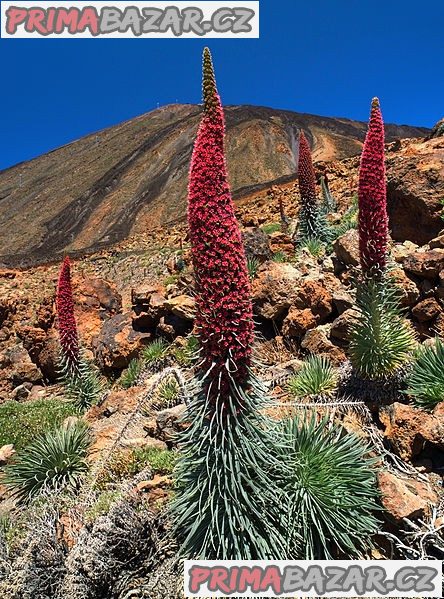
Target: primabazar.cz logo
92,19
305,578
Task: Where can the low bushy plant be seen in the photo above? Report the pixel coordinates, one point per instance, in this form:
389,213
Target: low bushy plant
315,246
54,461
271,228
348,221
154,353
279,257
130,376
425,382
186,354
252,266
21,423
167,395
330,489
126,463
317,377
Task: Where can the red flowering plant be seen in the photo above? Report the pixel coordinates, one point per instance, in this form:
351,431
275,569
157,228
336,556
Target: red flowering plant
83,386
69,339
226,505
312,224
373,220
382,342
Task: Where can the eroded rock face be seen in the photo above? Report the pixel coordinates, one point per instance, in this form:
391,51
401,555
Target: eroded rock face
96,300
149,306
426,310
346,248
275,289
23,370
343,325
298,322
427,264
118,343
316,341
409,429
405,498
256,244
415,188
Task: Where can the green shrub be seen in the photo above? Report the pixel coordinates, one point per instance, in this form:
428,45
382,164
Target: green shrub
271,228
102,504
167,394
14,528
170,280
21,423
162,461
185,355
279,257
330,489
425,383
55,461
131,374
316,377
253,266
125,464
381,342
315,246
155,352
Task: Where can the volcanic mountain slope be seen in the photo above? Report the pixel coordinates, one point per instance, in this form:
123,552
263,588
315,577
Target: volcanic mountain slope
132,177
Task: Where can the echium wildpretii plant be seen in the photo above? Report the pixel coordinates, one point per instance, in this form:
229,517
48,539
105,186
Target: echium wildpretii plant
226,506
68,335
372,197
312,223
81,381
381,342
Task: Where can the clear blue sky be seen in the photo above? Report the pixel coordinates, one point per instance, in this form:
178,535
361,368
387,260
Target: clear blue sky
325,57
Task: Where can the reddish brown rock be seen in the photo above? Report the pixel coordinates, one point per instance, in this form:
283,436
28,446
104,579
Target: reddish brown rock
256,243
408,429
343,325
118,343
415,188
316,341
281,242
22,368
405,498
315,296
426,310
182,306
148,310
298,322
346,248
96,300
425,264
409,292
342,300
275,289
438,242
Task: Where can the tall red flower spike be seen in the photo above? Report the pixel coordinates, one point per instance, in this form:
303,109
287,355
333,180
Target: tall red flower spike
373,220
69,340
224,309
308,215
306,174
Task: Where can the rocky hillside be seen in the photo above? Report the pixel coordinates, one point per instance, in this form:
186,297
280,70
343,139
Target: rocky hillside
131,178
135,308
